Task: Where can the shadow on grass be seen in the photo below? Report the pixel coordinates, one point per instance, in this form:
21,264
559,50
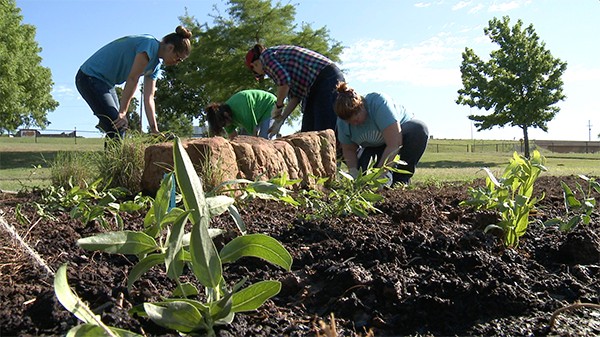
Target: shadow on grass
458,164
25,160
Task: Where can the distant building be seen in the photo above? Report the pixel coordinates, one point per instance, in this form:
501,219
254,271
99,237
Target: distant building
37,133
27,133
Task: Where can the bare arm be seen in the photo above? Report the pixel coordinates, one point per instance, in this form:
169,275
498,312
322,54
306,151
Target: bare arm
139,64
149,90
393,141
350,157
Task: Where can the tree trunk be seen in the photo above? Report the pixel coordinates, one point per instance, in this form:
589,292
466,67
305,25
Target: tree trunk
526,141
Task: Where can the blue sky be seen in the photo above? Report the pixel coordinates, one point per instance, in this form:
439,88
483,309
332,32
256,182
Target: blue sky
410,50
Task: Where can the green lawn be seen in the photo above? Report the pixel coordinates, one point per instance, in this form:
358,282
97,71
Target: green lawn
25,162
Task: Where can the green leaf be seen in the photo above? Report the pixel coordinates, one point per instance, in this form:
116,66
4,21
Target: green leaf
218,204
176,315
371,197
86,330
174,245
163,197
257,245
122,242
570,199
206,263
185,290
253,296
189,183
142,267
70,301
237,218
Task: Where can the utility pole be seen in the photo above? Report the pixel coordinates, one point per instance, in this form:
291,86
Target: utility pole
589,130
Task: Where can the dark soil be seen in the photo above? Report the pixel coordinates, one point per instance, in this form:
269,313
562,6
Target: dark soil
422,267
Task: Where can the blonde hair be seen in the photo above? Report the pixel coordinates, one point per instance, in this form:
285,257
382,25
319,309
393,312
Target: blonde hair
348,102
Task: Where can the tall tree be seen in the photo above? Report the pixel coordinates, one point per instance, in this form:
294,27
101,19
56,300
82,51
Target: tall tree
521,82
215,69
25,85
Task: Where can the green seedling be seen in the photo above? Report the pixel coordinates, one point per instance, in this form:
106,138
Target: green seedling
511,195
350,195
578,211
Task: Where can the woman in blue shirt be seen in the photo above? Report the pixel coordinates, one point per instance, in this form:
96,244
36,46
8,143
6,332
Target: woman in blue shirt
374,126
125,60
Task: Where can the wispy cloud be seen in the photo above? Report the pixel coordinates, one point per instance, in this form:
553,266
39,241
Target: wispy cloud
504,6
63,91
422,4
434,62
461,4
477,8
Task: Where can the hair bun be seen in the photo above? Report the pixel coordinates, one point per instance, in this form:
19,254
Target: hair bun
183,32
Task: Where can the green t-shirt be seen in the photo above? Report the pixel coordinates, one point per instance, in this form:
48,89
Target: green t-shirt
250,108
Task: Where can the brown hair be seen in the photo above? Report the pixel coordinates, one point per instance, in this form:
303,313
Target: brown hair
348,102
215,116
180,40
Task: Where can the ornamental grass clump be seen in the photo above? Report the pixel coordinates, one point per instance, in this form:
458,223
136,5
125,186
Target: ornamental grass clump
511,195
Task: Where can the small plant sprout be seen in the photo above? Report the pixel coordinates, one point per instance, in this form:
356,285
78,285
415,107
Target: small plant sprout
577,210
511,195
351,195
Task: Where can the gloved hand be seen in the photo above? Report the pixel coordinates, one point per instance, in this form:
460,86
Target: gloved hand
390,179
274,129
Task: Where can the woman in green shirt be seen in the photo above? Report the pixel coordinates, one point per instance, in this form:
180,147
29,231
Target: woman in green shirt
249,110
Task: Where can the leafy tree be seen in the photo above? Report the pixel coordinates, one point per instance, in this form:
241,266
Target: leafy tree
215,69
25,85
521,82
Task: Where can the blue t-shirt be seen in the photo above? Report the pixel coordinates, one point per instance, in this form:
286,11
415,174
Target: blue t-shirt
112,63
382,112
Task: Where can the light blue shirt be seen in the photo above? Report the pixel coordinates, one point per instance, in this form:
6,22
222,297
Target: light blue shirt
112,63
382,112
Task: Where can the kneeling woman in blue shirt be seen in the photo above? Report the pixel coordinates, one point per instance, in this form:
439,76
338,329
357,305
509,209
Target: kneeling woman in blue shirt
374,126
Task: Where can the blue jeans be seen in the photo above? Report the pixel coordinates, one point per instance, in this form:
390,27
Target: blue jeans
317,108
263,128
414,142
103,101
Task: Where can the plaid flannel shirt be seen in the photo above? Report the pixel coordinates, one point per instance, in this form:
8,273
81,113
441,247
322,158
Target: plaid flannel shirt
295,66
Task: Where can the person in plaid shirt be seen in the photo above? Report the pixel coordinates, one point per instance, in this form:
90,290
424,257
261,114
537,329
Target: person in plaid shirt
304,77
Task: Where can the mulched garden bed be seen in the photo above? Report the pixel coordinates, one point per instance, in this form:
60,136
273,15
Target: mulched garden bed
423,266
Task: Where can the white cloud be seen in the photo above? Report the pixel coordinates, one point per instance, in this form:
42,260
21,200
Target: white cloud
422,4
434,62
508,5
476,9
63,91
460,5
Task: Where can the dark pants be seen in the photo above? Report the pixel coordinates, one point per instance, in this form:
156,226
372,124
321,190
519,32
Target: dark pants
317,108
103,101
414,142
